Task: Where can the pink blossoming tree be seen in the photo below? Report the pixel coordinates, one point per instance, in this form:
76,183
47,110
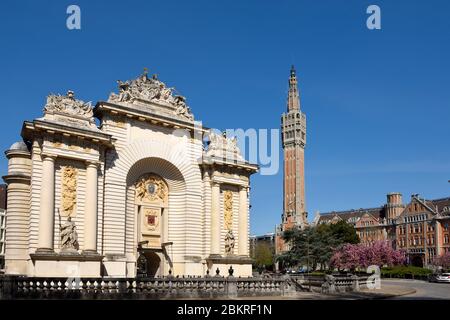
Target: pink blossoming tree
353,256
443,260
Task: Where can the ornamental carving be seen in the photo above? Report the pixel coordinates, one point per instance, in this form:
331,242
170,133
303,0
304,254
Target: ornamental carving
228,209
68,105
68,191
145,89
221,146
151,188
152,217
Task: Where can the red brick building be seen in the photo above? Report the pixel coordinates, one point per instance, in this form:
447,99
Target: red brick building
420,227
293,126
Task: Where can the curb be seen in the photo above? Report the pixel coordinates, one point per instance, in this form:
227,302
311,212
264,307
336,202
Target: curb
374,296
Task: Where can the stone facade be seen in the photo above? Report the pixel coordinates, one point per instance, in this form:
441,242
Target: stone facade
420,227
89,200
293,126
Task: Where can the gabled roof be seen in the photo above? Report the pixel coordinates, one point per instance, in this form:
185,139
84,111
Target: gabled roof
371,216
427,204
441,205
377,213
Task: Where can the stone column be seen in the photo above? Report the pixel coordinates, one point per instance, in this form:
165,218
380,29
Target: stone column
47,215
243,222
17,215
215,219
90,213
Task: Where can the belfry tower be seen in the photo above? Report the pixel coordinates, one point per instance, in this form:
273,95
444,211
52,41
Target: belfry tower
293,126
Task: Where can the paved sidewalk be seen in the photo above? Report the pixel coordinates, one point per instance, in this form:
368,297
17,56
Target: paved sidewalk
386,291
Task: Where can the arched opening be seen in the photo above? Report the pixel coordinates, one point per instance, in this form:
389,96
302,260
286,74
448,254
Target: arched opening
148,264
152,184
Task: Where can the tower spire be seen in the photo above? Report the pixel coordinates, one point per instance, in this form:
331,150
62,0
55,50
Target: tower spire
293,102
293,126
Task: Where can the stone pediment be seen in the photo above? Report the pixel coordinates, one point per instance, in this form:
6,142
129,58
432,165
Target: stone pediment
153,94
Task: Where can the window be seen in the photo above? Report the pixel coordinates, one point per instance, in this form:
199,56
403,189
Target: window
446,238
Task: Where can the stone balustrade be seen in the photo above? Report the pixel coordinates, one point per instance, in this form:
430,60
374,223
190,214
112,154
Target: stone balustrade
16,287
331,283
12,287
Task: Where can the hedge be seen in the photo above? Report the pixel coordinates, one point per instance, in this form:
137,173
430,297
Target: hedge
405,272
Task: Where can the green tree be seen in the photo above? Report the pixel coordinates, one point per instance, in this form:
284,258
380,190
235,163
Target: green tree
263,256
309,247
344,232
314,245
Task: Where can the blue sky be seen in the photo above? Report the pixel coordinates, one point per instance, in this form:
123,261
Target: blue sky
377,102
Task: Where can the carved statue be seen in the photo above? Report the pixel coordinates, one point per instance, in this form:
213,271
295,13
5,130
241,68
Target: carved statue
69,236
229,242
69,105
182,108
144,89
124,94
222,146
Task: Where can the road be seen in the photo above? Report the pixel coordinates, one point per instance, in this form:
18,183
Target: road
424,290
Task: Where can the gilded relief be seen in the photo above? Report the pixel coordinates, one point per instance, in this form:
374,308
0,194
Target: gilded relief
151,188
228,209
68,191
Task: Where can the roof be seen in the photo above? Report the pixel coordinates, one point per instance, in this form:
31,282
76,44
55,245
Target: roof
352,213
378,212
20,146
441,203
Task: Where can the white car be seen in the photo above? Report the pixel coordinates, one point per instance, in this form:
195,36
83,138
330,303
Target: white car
443,277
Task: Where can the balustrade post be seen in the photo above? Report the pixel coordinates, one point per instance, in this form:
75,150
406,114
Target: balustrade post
355,283
331,281
123,287
9,289
231,287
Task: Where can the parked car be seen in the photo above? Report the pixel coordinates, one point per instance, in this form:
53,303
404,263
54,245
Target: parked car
442,277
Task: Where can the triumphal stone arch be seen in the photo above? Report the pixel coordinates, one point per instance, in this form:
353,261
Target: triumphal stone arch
134,186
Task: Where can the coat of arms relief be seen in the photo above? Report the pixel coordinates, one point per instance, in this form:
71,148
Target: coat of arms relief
151,188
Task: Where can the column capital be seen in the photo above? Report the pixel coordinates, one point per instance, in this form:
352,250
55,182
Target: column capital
244,188
215,183
92,164
48,157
